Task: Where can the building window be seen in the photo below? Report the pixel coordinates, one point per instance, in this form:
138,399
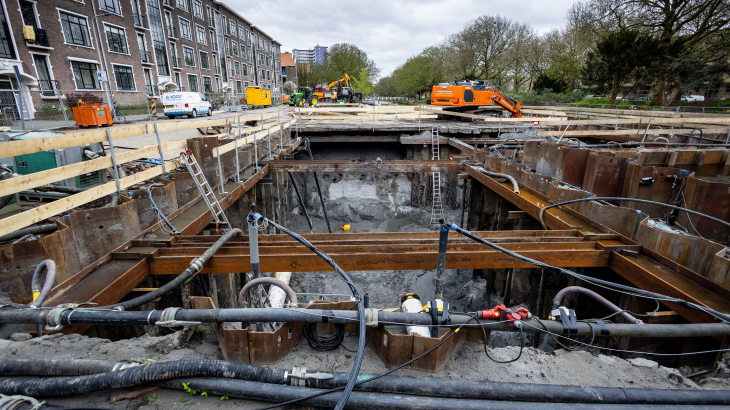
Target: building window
75,29
243,51
233,27
158,37
198,8
189,55
245,70
207,84
184,28
117,39
178,82
6,46
268,64
124,77
204,63
237,67
238,87
213,44
268,75
201,33
111,6
85,75
234,48
182,4
193,83
241,32
245,85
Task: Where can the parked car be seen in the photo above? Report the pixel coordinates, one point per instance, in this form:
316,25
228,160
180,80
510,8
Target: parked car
186,103
693,98
643,99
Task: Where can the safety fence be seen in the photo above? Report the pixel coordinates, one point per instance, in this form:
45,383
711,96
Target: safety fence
630,105
235,127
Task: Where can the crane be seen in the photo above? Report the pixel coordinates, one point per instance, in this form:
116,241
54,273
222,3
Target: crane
468,96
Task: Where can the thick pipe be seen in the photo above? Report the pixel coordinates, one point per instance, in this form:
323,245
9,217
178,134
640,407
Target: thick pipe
40,292
268,281
369,401
412,304
88,316
420,386
301,202
515,185
196,265
319,191
605,302
34,230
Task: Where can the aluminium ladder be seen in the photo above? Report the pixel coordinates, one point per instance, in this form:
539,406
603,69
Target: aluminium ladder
437,212
188,159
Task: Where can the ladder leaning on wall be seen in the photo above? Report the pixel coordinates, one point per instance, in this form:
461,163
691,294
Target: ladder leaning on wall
216,211
437,212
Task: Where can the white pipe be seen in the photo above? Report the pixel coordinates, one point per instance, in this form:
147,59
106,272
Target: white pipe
276,295
413,305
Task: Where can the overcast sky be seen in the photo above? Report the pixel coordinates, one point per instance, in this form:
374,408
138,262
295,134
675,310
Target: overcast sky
390,31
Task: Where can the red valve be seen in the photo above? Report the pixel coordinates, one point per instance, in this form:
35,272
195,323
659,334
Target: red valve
501,312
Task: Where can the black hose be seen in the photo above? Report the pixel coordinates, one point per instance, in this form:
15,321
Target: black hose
319,191
40,292
371,401
419,386
323,343
643,201
360,310
609,285
34,230
66,386
158,210
6,200
196,265
59,367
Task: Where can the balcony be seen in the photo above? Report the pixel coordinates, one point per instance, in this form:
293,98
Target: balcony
211,22
175,62
171,32
146,57
49,88
167,3
140,21
217,69
214,46
41,38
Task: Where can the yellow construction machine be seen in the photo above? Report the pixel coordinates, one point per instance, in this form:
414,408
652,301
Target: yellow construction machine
338,91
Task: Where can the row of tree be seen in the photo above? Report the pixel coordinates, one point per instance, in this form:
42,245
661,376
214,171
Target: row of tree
672,46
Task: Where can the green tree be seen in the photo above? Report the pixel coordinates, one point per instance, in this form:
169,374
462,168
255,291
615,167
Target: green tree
361,82
386,87
415,76
544,82
623,56
290,88
344,58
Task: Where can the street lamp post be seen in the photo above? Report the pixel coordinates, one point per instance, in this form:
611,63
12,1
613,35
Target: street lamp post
102,57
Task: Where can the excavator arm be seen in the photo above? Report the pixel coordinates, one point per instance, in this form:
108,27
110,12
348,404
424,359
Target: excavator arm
345,78
506,102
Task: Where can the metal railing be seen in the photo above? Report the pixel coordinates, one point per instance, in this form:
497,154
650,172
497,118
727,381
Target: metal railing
214,46
167,3
620,105
41,37
140,20
146,57
171,32
151,90
211,22
49,88
175,62
217,69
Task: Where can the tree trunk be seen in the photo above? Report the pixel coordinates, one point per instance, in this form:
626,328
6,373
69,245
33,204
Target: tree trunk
658,98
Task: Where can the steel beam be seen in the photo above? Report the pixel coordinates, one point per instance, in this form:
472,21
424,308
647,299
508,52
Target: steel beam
366,166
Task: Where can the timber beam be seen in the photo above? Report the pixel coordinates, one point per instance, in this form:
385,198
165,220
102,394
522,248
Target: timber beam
365,166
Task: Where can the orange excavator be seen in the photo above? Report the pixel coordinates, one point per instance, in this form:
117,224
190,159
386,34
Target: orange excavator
471,97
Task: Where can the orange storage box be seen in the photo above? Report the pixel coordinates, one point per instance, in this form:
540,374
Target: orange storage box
92,115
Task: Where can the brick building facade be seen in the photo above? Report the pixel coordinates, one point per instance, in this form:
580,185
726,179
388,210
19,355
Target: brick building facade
147,47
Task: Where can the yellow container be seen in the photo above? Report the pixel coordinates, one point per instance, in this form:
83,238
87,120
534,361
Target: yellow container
258,97
346,227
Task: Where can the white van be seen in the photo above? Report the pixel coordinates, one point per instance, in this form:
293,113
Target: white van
185,103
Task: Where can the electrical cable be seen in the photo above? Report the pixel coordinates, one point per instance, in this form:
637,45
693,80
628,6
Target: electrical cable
522,345
643,201
598,282
374,377
361,310
323,343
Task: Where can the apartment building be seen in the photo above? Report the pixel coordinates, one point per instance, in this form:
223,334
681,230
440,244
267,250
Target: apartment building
311,56
142,47
288,68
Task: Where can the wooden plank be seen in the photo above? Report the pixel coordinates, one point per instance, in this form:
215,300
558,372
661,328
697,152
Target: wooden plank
36,179
31,216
